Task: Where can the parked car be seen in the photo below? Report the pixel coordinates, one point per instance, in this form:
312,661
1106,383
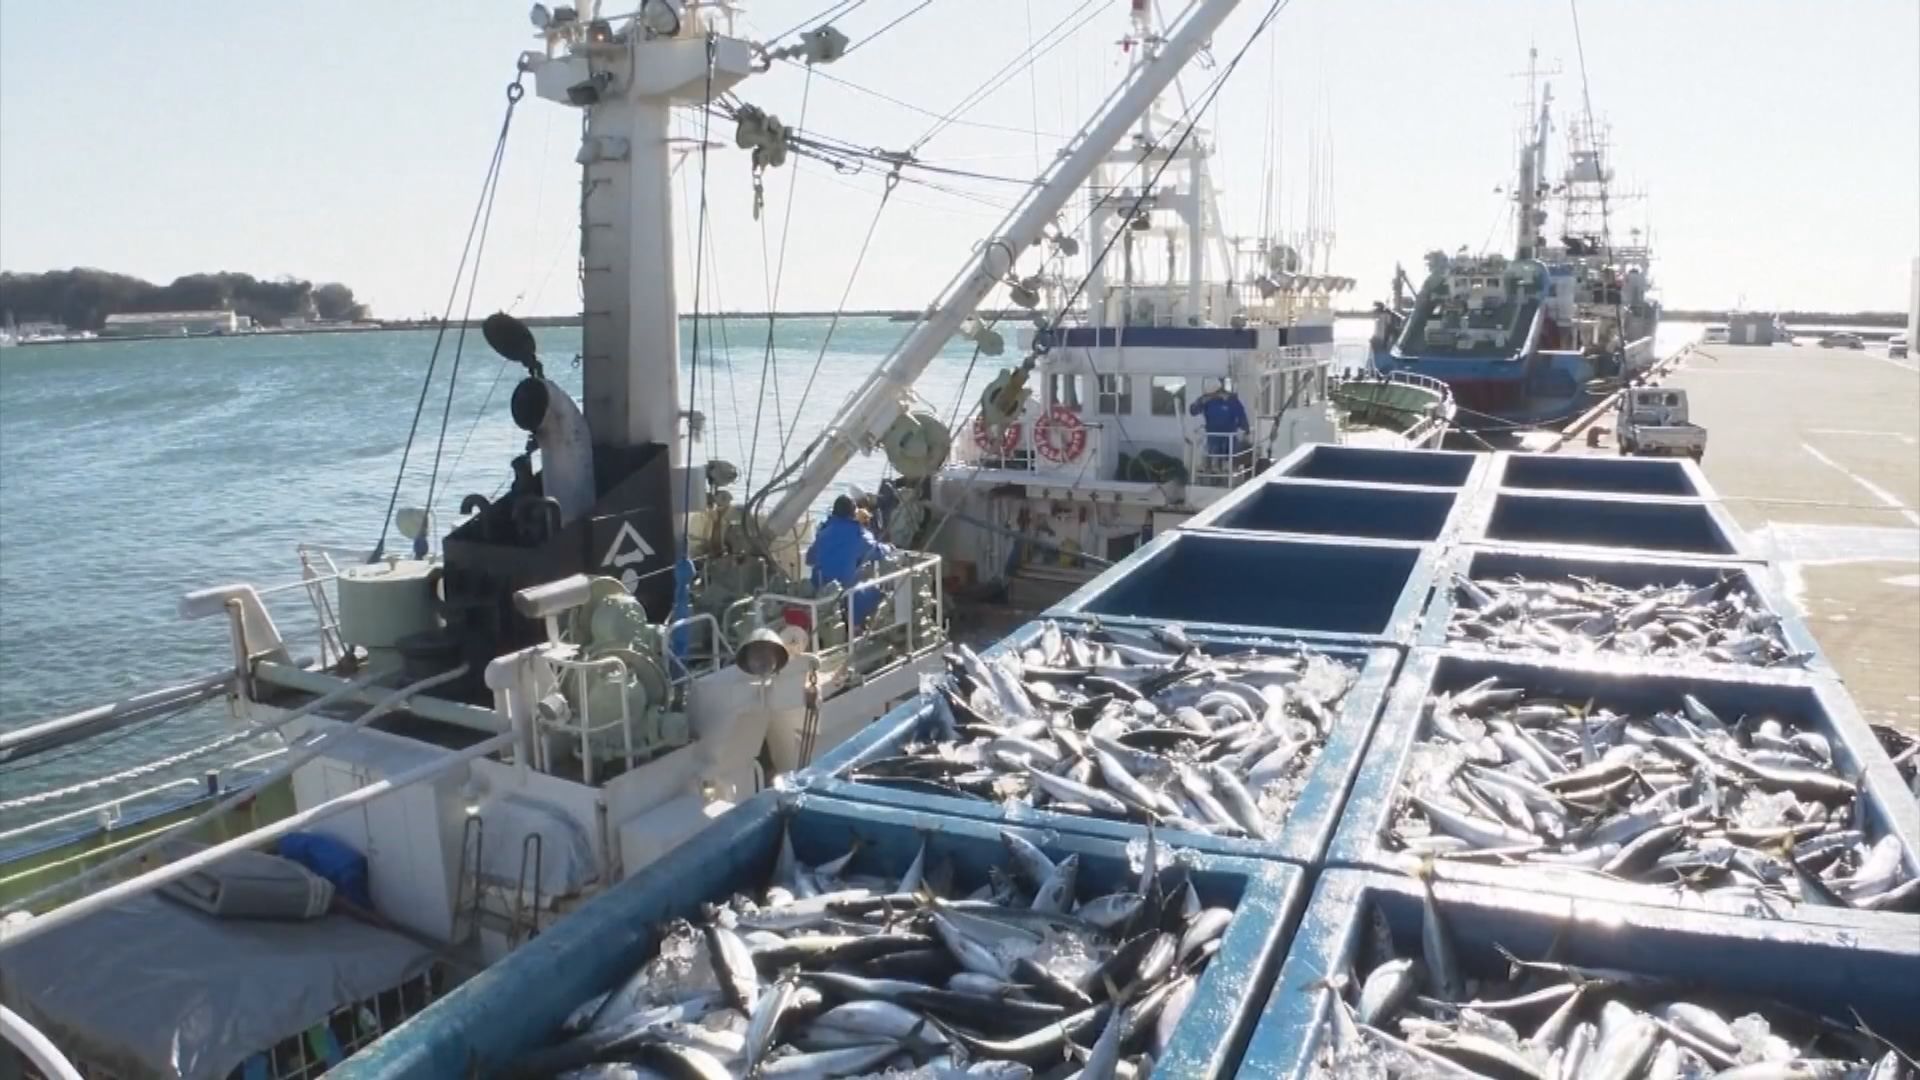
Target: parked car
1897,346
1841,340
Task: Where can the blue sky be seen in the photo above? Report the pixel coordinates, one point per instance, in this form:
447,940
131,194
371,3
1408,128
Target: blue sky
1778,142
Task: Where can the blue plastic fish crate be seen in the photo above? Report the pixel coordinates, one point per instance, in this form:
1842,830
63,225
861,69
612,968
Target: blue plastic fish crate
1606,524
1366,465
518,1005
1480,563
1351,591
1825,970
1302,840
1319,508
1804,701
1659,478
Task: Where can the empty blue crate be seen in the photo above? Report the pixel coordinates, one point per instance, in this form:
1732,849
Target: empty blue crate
518,1004
1366,465
1607,523
1668,478
1302,839
1799,702
1482,564
1326,508
1349,591
1844,975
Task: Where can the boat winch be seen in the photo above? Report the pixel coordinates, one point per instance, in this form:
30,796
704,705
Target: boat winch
615,688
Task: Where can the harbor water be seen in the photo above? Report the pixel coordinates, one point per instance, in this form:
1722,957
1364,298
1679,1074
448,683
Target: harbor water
133,472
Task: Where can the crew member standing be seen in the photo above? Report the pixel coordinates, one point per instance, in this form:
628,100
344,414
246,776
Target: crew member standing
839,549
1225,417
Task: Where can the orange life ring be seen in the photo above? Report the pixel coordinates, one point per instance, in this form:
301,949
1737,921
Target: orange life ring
1060,436
983,437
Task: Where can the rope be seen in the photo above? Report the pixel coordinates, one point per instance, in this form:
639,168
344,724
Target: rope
487,186
134,773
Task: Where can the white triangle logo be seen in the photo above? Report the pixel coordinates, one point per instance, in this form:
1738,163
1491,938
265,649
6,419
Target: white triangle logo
628,548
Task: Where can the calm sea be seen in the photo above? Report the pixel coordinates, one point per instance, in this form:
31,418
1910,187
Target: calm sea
133,472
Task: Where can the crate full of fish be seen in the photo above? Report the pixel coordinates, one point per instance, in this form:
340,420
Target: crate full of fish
1611,524
1230,745
805,937
1392,978
1771,799
1367,592
1650,478
1282,506
1378,465
1670,612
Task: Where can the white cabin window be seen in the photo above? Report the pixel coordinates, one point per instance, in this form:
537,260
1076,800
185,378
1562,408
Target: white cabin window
1115,395
1169,393
1064,390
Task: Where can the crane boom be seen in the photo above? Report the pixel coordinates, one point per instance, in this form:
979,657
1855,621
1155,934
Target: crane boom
882,398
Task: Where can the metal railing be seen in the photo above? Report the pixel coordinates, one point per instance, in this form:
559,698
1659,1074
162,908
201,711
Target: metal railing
1220,460
873,644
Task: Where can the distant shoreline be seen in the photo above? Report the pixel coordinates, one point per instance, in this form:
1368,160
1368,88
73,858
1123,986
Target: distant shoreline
1809,319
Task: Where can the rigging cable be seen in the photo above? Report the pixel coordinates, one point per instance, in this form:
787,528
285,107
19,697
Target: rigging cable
871,38
1011,68
1606,229
1191,116
846,294
466,319
693,376
843,7
769,369
514,92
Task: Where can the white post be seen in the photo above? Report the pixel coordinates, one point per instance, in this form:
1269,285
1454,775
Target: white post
1196,228
879,402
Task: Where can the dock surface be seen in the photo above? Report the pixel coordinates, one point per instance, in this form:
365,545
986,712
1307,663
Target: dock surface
1816,452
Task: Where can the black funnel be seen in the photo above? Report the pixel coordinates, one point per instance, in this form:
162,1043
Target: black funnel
510,338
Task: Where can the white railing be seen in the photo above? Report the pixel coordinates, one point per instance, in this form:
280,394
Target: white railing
1220,460
894,639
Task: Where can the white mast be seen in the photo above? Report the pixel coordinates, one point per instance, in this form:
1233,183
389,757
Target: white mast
628,84
880,401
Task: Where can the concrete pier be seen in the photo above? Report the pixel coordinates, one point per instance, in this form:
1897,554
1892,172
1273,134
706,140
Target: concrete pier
1817,454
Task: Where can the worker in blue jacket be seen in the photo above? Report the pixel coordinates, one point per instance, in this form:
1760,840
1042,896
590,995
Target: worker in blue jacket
840,548
1225,417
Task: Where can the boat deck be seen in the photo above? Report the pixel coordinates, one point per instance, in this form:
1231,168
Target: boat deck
1816,452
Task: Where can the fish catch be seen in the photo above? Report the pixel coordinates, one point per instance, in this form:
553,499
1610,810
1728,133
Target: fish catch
1723,622
829,972
1400,1016
1129,727
1749,807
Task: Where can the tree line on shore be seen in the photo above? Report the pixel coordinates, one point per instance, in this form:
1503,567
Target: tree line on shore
82,298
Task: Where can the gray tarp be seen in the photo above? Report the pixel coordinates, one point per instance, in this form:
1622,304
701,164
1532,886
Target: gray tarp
151,988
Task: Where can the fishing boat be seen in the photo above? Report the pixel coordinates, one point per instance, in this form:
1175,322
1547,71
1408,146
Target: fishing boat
461,743
1531,339
1095,443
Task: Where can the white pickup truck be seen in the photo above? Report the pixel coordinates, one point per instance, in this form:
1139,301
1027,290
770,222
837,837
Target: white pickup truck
1652,421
